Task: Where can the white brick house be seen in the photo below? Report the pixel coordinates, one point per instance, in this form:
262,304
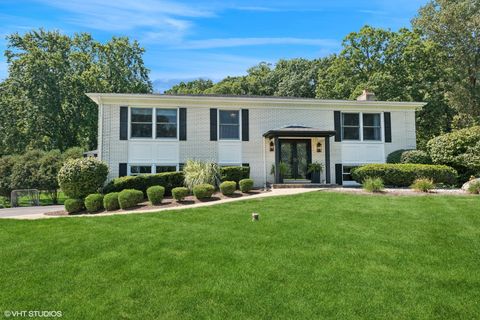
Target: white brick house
149,133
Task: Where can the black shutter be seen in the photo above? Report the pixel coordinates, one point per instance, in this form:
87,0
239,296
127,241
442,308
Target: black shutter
123,123
338,174
122,169
213,124
183,124
245,125
387,122
337,125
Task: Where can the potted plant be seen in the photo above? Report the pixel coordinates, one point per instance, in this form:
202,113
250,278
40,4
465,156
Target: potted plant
315,169
283,168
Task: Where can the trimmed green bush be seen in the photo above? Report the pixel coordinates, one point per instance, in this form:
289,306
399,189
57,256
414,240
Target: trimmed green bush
474,187
94,202
168,180
423,185
81,177
179,193
155,195
228,187
74,205
129,198
234,173
459,149
403,175
203,191
416,156
373,185
110,201
246,185
396,156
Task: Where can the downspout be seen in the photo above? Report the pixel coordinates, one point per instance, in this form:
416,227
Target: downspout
264,166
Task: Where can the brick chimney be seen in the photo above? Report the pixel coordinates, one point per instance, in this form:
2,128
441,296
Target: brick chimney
367,96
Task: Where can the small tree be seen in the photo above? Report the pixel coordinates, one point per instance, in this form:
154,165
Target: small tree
50,164
80,177
6,168
26,171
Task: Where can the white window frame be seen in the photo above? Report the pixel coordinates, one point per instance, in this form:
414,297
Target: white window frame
361,113
153,166
239,124
154,124
360,127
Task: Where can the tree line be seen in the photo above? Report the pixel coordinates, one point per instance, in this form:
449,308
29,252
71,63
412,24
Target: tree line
437,60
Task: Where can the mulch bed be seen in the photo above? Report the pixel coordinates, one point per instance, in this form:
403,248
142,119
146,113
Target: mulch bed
168,202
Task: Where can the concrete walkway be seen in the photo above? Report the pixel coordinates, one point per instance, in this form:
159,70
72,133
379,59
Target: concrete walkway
32,213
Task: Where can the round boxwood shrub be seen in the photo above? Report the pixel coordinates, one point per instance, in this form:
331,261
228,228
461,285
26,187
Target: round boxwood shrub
80,177
416,156
228,187
179,193
129,198
246,185
403,175
155,194
203,191
94,202
74,205
110,201
396,156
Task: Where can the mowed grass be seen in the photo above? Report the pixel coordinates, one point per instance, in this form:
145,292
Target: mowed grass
311,256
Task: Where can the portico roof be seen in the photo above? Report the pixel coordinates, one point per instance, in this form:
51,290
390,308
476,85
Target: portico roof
298,131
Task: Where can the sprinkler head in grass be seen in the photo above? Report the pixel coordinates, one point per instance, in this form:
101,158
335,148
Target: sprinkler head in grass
255,216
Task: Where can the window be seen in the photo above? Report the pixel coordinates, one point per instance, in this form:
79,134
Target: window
166,123
229,124
350,126
160,169
347,173
138,170
371,126
141,126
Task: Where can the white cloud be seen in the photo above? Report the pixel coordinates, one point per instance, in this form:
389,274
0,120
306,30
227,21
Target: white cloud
238,42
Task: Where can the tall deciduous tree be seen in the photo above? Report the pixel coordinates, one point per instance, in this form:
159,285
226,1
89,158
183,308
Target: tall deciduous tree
455,27
43,103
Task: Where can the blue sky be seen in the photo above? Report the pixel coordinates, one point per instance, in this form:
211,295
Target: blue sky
211,39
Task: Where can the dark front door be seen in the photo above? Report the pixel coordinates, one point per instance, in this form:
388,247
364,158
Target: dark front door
296,154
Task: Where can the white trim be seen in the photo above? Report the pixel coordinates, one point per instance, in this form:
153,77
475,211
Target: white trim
239,124
154,123
360,115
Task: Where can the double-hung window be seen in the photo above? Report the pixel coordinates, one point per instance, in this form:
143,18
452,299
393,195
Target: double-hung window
229,124
166,123
136,170
350,126
372,127
141,122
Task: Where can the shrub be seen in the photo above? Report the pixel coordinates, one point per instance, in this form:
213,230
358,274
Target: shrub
203,191
26,171
129,198
228,187
110,201
74,205
168,180
373,184
155,194
6,167
403,175
416,156
94,202
234,173
246,185
396,156
423,185
199,172
474,187
80,177
179,193
459,149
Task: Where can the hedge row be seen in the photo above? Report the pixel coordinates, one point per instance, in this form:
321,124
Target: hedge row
234,173
168,180
403,175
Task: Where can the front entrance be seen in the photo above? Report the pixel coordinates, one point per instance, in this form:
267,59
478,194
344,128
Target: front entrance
296,155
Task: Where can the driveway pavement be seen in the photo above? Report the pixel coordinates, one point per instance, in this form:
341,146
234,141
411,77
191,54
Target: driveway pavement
20,212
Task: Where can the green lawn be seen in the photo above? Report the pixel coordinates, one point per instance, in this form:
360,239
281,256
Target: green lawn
315,255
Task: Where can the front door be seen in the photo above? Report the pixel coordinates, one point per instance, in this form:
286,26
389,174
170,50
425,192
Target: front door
296,154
